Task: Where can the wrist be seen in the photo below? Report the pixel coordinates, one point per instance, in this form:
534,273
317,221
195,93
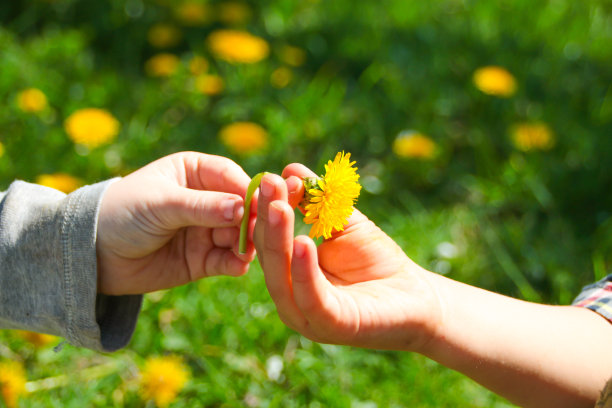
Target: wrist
430,328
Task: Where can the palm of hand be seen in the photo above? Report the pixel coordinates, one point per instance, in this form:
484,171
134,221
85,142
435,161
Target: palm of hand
378,297
150,254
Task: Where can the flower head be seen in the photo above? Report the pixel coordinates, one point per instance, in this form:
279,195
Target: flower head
12,382
329,200
209,84
496,81
162,378
244,137
281,77
193,13
233,13
238,46
1,149
59,181
37,339
198,65
293,56
533,136
31,100
163,35
414,145
91,127
162,65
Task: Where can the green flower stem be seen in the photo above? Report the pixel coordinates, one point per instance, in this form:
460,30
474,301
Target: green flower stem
244,227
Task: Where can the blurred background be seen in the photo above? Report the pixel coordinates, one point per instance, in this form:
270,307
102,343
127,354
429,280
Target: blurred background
482,132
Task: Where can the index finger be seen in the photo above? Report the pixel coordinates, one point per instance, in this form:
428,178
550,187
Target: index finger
298,170
294,174
216,173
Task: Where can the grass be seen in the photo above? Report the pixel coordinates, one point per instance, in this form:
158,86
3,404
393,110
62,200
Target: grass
530,224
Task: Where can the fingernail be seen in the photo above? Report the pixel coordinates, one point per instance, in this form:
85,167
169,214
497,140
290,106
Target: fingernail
274,214
293,183
228,207
299,248
267,189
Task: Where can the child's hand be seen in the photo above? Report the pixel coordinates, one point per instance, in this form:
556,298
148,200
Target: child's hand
357,288
173,221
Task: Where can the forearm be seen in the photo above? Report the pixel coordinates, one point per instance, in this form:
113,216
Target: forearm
534,355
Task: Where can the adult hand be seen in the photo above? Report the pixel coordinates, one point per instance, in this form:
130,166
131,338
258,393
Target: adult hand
173,221
356,288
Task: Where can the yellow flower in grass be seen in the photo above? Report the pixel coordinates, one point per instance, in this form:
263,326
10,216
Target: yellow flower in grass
209,84
164,35
31,100
37,339
162,65
198,65
238,46
244,137
494,80
161,379
193,13
1,149
293,56
329,200
533,136
281,77
59,181
91,127
233,12
414,145
12,382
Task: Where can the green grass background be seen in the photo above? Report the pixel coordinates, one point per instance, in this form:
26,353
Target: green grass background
532,225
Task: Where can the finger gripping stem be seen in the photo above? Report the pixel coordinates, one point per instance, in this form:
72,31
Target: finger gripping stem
244,226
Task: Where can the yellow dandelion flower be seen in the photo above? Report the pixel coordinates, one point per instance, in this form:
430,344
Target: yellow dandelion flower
198,65
329,200
193,13
162,378
164,35
162,65
238,46
281,77
233,13
293,56
91,127
37,339
209,84
494,80
414,145
1,149
244,137
59,181
12,382
31,100
533,136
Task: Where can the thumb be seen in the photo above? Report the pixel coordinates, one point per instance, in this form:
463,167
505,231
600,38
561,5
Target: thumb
183,207
312,291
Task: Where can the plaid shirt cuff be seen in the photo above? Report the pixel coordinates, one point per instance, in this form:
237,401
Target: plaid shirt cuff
597,297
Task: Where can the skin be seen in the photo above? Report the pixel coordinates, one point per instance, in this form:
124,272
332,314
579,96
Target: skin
360,289
171,222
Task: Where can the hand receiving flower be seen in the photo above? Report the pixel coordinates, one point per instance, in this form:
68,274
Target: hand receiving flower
357,288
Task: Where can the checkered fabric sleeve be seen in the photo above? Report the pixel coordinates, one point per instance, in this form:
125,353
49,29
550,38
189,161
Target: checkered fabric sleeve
597,297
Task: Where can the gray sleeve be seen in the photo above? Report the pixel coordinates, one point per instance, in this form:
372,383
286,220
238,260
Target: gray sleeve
48,268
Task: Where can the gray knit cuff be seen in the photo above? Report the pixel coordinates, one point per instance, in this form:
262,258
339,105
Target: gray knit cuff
95,321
